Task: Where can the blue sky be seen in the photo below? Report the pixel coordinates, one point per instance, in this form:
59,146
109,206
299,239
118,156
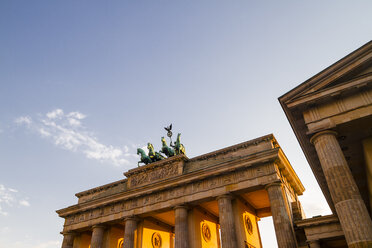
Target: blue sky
84,83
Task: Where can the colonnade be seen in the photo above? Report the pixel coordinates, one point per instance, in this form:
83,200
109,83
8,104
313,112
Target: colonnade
351,210
280,212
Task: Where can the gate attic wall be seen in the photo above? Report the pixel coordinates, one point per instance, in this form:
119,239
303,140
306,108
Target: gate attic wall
241,168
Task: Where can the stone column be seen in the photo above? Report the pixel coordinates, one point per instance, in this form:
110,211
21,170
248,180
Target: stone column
181,227
130,231
281,217
226,216
351,210
313,244
68,240
97,237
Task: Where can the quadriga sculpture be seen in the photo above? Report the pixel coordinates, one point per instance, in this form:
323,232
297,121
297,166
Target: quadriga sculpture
178,147
144,158
154,156
169,152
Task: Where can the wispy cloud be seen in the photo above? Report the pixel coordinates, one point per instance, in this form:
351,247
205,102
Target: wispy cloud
23,120
66,130
9,198
24,203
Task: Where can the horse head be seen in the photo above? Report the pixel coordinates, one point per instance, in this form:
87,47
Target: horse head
150,146
140,151
178,140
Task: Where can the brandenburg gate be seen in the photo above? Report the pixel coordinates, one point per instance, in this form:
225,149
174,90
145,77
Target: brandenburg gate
213,200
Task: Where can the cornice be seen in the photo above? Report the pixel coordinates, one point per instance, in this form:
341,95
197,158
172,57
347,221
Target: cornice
289,173
100,188
317,220
266,138
313,97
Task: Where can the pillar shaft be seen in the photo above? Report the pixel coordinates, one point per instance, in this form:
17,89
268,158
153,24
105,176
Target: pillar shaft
129,232
351,210
68,240
97,237
181,227
226,215
281,217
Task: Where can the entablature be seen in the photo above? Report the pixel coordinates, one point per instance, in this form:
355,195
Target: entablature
165,184
338,110
225,168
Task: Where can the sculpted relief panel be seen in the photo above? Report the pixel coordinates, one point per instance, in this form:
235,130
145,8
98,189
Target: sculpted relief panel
155,175
160,171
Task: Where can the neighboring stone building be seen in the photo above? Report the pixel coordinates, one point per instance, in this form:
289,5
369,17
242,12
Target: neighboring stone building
331,115
216,199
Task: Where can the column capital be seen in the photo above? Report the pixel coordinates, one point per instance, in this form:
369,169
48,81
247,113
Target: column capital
276,184
132,217
99,226
315,136
68,233
181,206
228,196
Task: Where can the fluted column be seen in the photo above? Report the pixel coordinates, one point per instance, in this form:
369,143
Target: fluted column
129,232
351,210
281,218
226,216
97,237
181,227
313,244
68,240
